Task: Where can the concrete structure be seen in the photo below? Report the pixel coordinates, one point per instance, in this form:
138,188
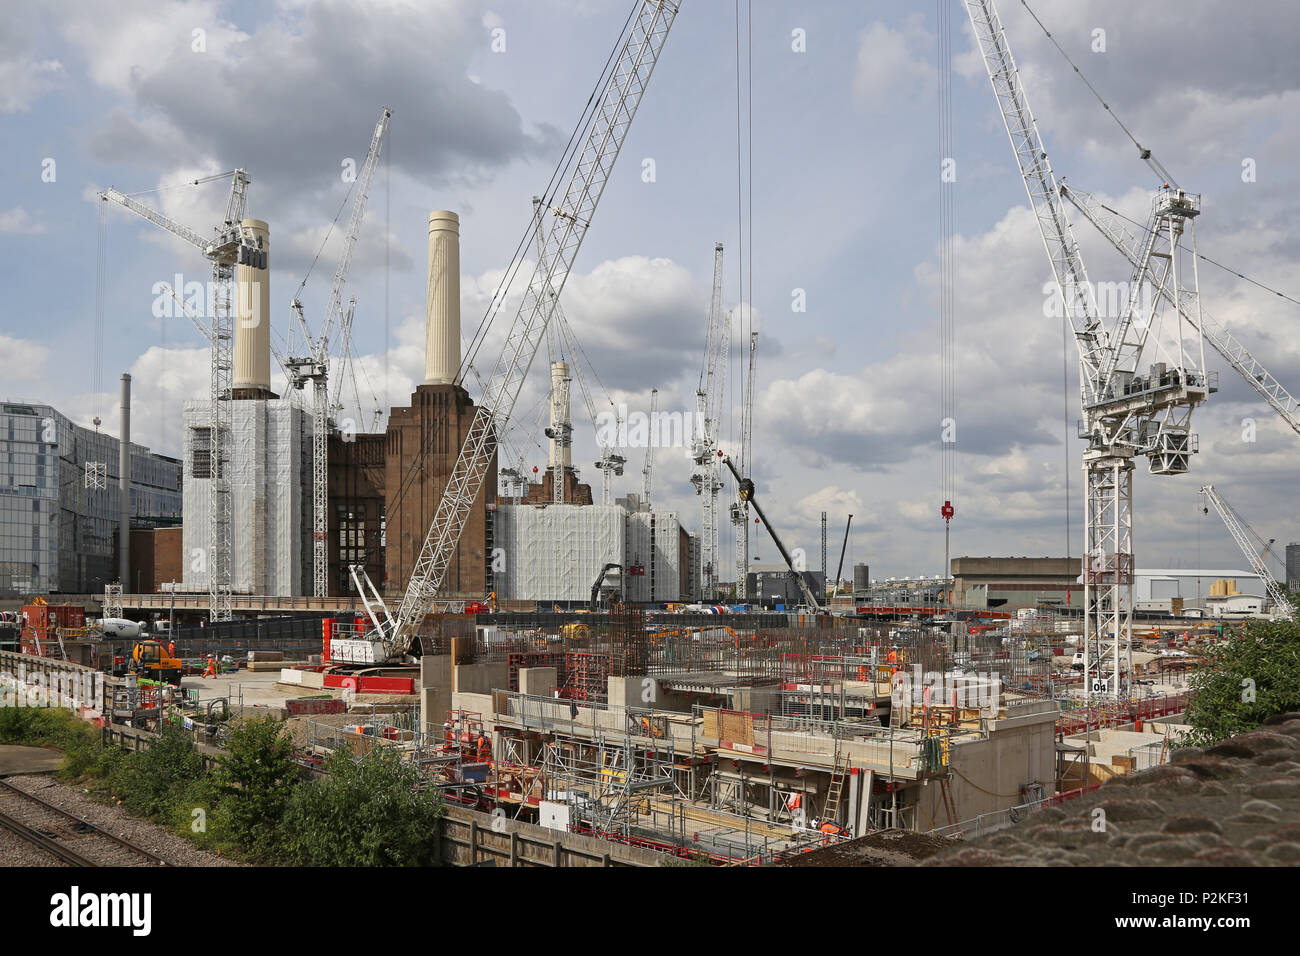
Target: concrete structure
1293,566
252,350
442,303
1016,582
270,487
56,533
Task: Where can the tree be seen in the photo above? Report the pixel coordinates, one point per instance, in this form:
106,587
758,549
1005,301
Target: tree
366,812
1246,680
149,782
254,781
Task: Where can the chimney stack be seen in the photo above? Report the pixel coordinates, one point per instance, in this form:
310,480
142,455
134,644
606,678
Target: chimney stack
252,372
442,331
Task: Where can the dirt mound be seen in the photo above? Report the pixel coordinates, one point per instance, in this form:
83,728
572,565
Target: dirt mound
886,848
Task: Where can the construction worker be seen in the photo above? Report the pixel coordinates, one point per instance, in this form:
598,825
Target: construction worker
211,669
484,748
171,648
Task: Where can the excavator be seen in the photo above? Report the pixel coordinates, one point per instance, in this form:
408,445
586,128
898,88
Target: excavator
151,659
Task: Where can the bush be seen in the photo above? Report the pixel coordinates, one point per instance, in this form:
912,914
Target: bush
149,782
252,784
365,813
1246,680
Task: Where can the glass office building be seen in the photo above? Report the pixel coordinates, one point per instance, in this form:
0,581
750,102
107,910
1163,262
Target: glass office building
57,533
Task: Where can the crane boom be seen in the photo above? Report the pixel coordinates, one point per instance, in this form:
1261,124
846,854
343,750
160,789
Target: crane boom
745,490
1253,547
570,218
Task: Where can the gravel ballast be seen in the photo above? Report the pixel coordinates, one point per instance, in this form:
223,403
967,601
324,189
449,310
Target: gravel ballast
175,850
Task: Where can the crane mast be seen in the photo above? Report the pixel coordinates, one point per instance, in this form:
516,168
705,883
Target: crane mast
1124,414
647,469
314,368
708,413
229,248
568,220
1254,547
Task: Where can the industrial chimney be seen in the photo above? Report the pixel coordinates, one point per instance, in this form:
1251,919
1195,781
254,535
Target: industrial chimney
252,372
561,430
442,342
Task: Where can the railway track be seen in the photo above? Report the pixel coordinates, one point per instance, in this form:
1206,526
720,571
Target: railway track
64,835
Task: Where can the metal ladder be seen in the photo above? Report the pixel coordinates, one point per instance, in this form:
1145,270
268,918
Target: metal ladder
834,794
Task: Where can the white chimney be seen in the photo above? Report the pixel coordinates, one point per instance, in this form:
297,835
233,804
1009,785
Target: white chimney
253,312
442,342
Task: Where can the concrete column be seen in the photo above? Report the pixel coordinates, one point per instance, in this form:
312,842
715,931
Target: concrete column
253,312
442,304
124,489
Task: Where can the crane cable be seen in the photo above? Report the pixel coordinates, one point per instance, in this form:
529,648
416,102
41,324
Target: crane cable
1143,152
947,296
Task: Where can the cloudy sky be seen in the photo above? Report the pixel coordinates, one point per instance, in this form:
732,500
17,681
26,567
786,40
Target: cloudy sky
845,220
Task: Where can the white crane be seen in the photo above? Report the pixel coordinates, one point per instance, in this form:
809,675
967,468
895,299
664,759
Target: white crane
314,367
569,218
647,469
707,478
1125,413
230,247
1254,547
1111,225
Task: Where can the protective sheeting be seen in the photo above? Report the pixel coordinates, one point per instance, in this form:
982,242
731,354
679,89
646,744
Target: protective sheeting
271,485
653,543
555,552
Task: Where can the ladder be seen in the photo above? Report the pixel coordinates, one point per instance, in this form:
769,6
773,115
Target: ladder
831,810
948,805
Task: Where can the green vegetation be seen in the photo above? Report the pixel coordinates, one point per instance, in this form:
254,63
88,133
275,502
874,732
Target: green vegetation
366,812
1246,680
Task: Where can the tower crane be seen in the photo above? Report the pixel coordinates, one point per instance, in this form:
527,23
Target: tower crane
314,367
1125,413
231,246
1111,225
1254,547
708,415
648,468
568,218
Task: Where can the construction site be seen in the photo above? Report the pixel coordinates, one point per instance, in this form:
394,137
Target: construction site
599,669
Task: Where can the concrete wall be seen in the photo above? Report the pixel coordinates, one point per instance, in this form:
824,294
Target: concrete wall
435,688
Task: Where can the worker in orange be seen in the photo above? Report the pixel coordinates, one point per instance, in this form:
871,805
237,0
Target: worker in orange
171,648
484,748
211,669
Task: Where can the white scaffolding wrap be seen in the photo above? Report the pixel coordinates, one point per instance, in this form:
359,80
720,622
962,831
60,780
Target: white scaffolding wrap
270,473
554,553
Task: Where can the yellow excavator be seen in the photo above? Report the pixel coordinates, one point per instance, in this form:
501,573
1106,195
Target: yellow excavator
151,659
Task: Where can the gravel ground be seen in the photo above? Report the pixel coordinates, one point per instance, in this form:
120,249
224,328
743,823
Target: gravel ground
886,848
16,852
173,849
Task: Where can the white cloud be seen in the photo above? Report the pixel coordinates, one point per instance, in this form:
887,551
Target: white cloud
25,79
24,360
887,66
18,221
